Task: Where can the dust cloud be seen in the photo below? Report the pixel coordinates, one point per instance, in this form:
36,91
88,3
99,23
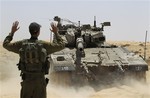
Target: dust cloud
10,84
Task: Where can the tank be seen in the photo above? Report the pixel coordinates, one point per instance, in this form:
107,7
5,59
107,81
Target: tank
89,60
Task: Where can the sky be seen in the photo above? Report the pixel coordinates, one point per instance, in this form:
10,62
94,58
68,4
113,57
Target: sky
130,19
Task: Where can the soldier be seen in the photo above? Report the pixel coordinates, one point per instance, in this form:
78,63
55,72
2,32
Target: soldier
33,56
58,19
59,25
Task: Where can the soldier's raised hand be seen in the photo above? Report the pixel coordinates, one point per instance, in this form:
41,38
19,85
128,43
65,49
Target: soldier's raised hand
54,27
14,27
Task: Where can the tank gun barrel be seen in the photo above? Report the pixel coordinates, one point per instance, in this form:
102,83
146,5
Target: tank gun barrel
80,50
80,47
79,44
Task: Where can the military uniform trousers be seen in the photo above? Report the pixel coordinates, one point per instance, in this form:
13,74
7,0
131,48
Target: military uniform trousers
33,87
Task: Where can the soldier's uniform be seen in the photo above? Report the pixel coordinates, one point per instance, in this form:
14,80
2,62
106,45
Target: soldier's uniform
34,84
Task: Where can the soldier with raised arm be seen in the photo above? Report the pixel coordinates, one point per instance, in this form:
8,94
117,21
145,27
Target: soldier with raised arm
33,57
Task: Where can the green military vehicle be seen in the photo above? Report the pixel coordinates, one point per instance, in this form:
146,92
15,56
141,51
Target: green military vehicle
89,60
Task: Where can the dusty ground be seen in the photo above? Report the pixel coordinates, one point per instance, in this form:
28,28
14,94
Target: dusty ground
10,80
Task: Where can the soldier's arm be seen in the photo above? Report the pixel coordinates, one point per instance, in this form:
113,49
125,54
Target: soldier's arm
57,44
14,47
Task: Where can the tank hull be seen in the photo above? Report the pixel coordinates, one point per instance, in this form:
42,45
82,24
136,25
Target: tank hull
103,65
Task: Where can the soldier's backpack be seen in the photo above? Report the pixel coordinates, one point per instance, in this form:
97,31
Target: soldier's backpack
32,57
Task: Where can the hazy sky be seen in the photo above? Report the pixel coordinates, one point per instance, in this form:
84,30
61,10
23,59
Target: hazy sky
129,18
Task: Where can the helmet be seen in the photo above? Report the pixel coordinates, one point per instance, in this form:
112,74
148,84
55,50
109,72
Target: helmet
56,18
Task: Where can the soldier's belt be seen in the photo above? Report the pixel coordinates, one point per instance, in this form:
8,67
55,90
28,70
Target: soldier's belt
33,75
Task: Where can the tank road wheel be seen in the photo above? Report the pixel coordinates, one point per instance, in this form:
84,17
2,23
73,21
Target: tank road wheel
61,78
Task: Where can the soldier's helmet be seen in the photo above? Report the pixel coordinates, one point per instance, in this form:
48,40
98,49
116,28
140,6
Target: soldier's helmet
56,18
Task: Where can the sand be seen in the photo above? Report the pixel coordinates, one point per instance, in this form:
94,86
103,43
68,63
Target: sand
10,80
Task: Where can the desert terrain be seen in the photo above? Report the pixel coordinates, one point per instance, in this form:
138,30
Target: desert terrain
10,79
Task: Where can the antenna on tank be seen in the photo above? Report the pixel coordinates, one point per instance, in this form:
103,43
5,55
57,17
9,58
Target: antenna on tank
95,21
145,46
79,23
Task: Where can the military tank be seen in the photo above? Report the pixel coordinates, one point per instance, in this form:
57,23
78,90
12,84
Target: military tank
88,59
